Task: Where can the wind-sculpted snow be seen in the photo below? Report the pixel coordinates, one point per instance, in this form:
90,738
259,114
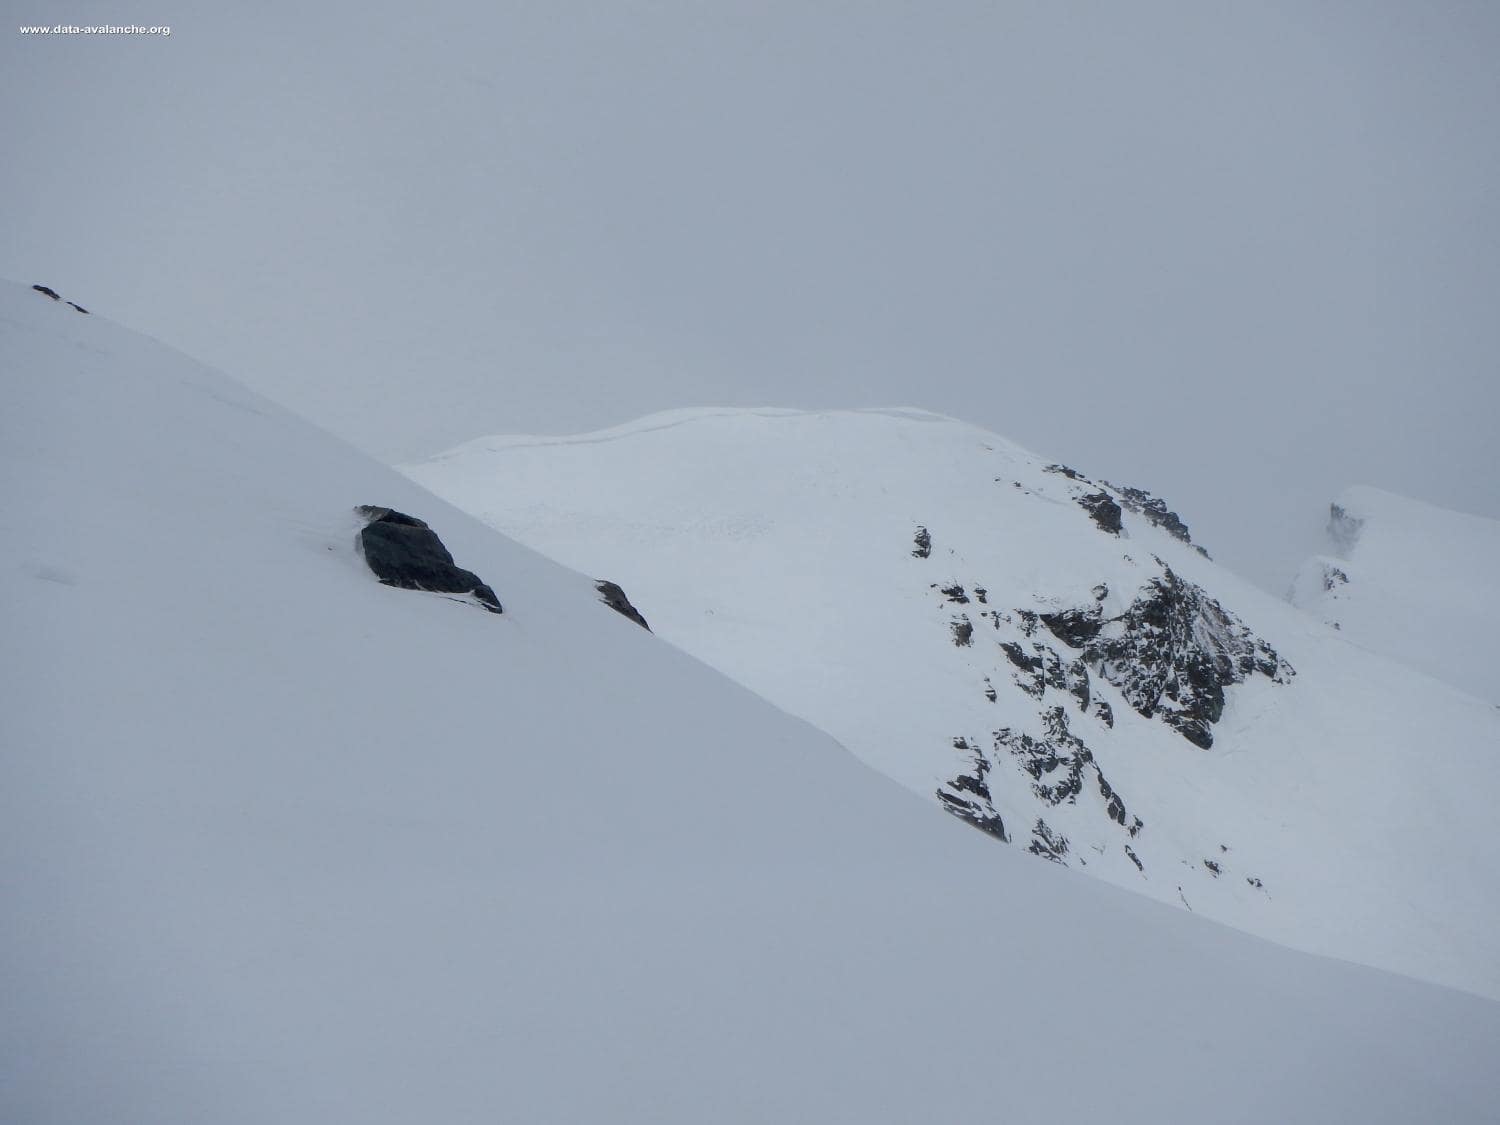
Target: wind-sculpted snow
1028,645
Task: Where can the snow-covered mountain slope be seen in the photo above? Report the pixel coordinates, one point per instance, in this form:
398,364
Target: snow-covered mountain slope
284,846
1412,581
1046,655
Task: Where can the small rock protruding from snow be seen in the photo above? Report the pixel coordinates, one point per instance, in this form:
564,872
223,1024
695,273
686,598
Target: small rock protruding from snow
923,544
48,291
614,597
963,631
404,552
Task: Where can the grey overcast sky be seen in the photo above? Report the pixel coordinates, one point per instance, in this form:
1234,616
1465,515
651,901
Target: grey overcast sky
1242,254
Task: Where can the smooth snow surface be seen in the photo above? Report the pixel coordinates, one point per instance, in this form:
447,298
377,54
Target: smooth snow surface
1348,811
1413,581
282,845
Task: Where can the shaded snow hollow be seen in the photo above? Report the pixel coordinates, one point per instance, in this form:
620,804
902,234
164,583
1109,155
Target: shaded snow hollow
1046,654
284,845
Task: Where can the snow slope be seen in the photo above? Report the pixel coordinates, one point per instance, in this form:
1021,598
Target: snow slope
1412,581
923,590
283,845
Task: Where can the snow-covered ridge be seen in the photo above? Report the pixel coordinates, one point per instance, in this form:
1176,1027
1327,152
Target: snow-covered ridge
1415,582
1043,653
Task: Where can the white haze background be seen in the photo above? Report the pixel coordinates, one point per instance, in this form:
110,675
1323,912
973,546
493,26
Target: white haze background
1242,255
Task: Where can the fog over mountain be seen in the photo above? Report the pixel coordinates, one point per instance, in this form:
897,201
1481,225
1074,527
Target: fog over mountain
1244,257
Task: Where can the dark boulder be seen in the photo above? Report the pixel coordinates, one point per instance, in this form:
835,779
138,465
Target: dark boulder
49,292
614,597
1103,510
80,308
406,553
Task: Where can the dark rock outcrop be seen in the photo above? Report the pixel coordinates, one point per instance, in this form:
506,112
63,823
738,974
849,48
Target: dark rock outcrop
1155,511
1103,510
406,553
923,544
614,597
1042,668
1171,653
1063,470
1333,577
1055,761
48,291
967,794
1047,843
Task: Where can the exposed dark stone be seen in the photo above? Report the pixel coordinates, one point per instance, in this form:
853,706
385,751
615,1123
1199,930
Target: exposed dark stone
923,542
49,292
989,690
981,595
1074,627
1171,653
1155,511
1256,883
963,631
1071,474
1034,683
80,308
967,795
614,597
1058,752
1333,576
1076,679
1135,859
1104,713
955,593
1214,867
1047,843
1114,808
404,552
1103,510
